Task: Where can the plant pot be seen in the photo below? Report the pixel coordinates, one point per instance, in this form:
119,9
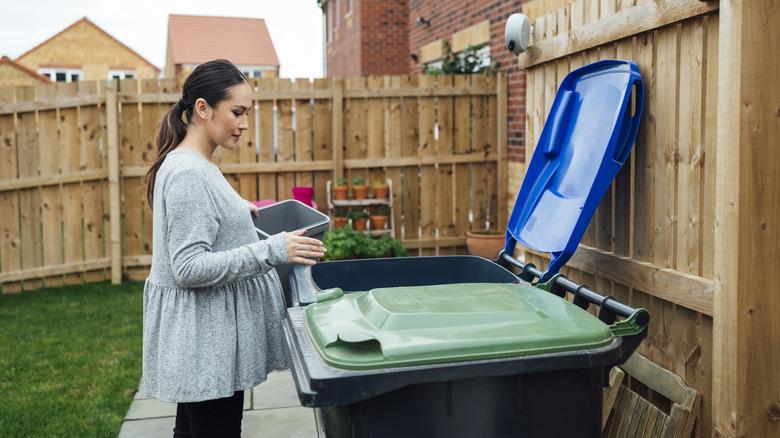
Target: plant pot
485,244
340,192
360,191
378,222
381,192
340,222
359,224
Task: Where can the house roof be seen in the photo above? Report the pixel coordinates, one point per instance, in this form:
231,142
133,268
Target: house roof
89,22
244,41
8,61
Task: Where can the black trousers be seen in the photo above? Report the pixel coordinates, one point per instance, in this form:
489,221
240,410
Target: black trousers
210,418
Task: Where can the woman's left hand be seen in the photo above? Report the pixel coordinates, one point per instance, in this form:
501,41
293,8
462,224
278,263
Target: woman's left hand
253,208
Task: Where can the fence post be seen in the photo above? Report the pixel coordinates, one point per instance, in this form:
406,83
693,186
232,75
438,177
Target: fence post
112,122
337,89
503,166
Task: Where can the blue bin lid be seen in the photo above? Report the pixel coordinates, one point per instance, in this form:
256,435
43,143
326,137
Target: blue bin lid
587,136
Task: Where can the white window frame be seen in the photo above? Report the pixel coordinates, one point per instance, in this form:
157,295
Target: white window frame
250,70
122,74
69,72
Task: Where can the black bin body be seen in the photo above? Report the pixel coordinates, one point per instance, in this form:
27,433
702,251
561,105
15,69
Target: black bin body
546,395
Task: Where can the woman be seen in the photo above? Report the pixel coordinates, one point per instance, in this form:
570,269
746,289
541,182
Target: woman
212,302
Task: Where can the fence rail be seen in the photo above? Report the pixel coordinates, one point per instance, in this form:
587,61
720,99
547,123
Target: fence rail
74,157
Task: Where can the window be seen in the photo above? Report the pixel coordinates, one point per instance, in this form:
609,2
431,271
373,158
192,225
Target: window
61,74
121,74
253,71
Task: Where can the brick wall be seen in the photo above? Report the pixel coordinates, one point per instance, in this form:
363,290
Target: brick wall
371,40
380,36
450,16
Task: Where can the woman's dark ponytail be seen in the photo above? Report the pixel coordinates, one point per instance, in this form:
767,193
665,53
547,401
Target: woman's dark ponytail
210,81
171,133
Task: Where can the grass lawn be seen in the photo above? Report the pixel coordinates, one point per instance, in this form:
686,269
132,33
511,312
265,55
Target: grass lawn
70,359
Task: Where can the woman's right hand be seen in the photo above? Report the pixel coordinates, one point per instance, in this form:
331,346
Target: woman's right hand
301,250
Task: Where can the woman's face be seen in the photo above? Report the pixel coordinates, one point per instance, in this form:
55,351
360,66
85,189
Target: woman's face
229,119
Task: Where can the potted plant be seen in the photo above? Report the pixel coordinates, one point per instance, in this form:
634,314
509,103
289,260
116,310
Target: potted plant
340,189
381,189
485,243
379,220
340,218
359,219
359,188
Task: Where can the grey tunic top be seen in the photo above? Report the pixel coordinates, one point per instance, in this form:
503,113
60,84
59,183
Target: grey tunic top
213,302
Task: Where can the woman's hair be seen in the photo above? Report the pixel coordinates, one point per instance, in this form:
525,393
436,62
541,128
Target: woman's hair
210,81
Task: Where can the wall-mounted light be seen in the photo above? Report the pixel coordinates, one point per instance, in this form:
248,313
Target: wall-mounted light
517,33
414,56
422,21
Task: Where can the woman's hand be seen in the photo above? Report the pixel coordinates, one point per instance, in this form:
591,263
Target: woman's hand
253,208
302,250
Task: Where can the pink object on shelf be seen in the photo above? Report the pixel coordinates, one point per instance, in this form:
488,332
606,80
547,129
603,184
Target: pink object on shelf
303,194
264,202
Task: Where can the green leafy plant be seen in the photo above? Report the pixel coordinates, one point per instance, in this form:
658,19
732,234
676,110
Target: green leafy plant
379,183
359,182
383,211
346,243
340,212
467,62
341,182
357,214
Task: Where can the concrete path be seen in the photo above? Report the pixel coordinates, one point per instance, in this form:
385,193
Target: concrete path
271,410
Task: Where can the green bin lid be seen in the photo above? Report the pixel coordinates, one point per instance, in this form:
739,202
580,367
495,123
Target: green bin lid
403,326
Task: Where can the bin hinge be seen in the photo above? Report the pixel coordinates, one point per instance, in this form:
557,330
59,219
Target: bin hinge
632,325
552,287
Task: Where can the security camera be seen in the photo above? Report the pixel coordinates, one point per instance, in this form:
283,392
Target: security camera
517,33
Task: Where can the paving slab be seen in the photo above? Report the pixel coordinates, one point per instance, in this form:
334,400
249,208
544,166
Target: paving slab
278,391
149,428
278,423
150,408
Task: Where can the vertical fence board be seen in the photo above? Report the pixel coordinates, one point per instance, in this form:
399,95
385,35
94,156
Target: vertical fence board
409,148
29,199
267,181
322,138
51,196
303,133
284,133
10,245
91,131
427,147
393,139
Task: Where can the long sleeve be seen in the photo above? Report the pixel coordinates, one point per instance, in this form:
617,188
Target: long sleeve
192,226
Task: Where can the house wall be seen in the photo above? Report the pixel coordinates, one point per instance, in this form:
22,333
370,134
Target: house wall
10,76
85,47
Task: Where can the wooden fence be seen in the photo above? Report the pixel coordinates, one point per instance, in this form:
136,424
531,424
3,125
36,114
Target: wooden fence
655,241
74,156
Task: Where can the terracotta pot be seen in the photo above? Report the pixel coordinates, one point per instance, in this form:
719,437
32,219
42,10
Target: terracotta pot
381,192
340,222
485,244
360,191
340,192
378,222
359,224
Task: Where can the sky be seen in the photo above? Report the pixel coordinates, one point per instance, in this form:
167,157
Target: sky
142,25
